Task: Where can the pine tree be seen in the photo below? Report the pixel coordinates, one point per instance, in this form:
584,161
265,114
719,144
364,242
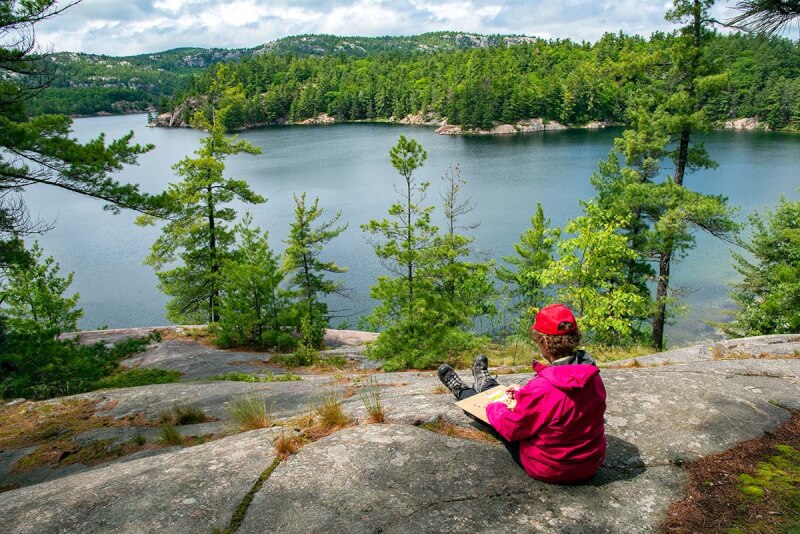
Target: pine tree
39,150
408,231
33,301
664,120
306,270
416,319
252,305
465,284
534,252
197,233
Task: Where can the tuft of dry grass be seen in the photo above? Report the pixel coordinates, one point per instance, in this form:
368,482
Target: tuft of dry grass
441,426
440,389
371,397
183,414
171,435
612,354
286,445
250,411
633,364
329,409
718,353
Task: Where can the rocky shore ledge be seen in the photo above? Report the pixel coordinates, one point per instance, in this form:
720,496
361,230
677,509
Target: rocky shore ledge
399,476
179,117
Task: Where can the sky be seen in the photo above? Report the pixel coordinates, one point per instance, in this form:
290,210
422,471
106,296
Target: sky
127,27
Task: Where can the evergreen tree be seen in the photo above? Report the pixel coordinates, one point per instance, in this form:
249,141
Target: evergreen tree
408,231
33,300
523,272
769,294
306,270
466,285
197,233
664,214
39,150
416,319
765,16
252,305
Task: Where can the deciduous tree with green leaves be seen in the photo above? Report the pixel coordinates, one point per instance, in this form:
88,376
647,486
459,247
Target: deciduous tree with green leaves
769,294
305,268
198,233
590,277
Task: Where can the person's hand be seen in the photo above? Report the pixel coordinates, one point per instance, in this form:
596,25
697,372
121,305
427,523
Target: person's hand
511,390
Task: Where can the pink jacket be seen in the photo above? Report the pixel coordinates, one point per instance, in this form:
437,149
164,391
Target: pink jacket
558,421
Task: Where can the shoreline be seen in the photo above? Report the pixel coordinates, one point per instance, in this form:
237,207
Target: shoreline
442,127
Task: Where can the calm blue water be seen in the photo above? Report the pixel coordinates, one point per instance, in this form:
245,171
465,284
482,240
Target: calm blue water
347,167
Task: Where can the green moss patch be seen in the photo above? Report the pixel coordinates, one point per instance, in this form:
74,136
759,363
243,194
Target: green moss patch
752,488
138,377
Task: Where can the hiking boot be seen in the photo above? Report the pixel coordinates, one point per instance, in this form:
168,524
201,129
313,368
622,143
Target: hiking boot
480,371
450,379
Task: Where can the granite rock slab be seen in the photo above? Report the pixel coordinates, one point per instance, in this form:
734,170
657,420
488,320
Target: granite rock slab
401,478
190,490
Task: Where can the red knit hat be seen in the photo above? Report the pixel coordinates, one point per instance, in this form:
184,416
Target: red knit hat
555,320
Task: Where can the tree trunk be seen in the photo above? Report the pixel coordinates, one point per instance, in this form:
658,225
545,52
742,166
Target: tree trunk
409,242
661,299
683,156
212,246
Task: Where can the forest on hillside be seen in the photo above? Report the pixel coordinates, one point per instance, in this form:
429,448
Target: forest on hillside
86,84
561,80
469,79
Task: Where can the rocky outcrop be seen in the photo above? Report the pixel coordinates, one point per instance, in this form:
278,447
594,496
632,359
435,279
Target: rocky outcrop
189,490
181,116
424,119
746,123
164,120
400,477
522,126
322,118
502,129
597,125
449,129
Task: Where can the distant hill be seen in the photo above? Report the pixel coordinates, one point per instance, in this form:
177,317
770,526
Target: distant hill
320,45
87,84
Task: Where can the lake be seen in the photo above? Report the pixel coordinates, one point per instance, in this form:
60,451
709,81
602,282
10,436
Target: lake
347,167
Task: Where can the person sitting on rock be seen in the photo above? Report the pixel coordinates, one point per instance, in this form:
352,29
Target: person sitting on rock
553,427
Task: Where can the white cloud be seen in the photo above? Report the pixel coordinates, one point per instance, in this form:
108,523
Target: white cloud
139,26
363,17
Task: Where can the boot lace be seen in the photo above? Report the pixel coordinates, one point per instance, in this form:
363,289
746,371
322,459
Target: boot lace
453,382
484,380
